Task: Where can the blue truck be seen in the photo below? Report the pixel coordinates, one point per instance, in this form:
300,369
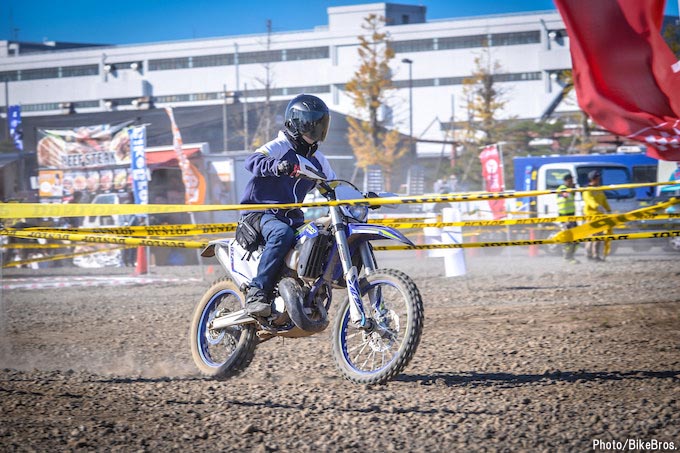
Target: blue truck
546,172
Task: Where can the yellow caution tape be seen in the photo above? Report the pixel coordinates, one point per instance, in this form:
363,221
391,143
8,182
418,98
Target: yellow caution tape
35,246
39,210
126,241
607,237
63,256
102,239
609,221
141,230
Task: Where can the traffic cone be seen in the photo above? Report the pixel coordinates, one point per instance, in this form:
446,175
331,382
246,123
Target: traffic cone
533,249
141,268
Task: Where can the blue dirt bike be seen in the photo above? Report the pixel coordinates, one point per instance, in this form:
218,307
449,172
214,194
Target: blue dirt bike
376,329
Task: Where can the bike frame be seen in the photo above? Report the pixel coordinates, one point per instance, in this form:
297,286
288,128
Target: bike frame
368,232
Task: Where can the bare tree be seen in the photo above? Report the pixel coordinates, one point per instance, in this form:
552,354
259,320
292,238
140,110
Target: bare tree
266,124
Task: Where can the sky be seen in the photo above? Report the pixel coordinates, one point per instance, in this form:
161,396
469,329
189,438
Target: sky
140,21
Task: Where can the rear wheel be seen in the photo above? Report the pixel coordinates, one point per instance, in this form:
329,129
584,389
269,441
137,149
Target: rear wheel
374,356
226,352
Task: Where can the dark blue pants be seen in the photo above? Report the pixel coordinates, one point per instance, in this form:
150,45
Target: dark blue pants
279,237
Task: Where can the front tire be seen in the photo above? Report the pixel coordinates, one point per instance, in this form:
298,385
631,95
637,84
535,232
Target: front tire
378,355
224,353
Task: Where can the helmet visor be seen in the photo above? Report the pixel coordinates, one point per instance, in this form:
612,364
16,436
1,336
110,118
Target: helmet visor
314,125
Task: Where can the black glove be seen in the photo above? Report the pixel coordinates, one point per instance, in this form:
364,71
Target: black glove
287,168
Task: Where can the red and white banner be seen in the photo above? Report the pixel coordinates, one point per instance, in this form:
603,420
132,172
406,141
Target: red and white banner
193,180
492,172
626,77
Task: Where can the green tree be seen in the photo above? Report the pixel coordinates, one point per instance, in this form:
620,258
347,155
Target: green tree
371,142
672,36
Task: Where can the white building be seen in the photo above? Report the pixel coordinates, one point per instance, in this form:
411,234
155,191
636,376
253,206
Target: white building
529,47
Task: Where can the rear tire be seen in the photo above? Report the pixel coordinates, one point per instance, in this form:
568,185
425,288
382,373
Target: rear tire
372,358
225,353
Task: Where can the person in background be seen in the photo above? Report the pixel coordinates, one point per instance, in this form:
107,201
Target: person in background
567,207
275,168
595,203
75,222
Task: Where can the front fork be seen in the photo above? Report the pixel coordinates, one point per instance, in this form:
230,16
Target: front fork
357,312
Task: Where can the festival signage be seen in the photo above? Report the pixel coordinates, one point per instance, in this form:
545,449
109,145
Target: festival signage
194,183
90,159
15,130
492,172
140,183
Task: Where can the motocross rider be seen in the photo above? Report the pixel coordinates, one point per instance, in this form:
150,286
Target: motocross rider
275,169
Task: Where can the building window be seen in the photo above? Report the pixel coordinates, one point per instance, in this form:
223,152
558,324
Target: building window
467,42
213,60
644,173
40,107
462,42
517,77
169,63
310,53
9,76
205,96
42,73
85,104
414,45
517,38
80,71
267,56
508,77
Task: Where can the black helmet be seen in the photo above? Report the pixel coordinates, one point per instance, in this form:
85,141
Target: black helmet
307,115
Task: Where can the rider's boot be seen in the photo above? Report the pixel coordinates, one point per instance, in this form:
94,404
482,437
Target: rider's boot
257,302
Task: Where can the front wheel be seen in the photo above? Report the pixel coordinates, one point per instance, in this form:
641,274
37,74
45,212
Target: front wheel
221,353
374,356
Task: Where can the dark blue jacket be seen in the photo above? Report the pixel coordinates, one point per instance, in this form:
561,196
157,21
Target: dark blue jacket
267,186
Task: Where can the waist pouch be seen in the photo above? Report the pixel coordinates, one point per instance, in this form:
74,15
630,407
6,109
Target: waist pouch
248,232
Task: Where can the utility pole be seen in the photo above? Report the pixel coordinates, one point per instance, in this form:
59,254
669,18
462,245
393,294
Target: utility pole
246,145
6,108
238,86
409,62
224,119
267,86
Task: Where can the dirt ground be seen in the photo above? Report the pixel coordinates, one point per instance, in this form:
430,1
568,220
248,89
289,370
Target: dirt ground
521,354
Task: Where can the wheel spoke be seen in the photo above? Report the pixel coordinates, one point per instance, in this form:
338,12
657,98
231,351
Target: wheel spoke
382,349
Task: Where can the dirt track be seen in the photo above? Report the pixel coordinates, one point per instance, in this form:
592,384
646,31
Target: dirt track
522,354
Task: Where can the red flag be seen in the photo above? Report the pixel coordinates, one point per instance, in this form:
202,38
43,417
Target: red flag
626,77
492,172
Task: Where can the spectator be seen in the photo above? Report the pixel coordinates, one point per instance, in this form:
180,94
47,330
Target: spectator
595,203
567,207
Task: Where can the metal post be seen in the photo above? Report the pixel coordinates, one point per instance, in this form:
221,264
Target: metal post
238,86
409,62
246,145
224,119
6,108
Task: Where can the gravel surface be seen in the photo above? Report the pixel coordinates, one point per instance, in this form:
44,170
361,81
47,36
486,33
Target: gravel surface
521,354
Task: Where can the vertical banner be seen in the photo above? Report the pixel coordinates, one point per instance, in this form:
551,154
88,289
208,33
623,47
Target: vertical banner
140,183
493,178
194,184
14,124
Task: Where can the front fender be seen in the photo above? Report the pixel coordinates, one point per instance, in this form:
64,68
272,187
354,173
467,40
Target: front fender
371,231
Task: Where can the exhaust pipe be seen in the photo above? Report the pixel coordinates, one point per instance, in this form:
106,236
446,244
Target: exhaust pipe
230,320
